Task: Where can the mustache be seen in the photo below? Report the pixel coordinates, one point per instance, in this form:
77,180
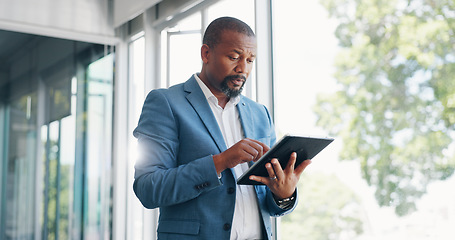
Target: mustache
232,77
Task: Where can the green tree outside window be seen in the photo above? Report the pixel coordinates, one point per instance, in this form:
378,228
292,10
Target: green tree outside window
395,107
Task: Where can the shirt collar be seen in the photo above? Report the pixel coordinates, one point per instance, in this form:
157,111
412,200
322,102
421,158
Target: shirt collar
209,95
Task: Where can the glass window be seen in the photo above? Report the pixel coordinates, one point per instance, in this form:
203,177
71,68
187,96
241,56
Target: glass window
375,77
184,56
56,116
97,189
18,167
231,8
181,43
181,50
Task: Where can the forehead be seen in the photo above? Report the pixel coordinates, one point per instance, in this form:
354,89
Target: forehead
231,40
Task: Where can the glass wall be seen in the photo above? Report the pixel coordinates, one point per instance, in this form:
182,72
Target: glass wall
18,167
181,50
377,76
55,142
98,140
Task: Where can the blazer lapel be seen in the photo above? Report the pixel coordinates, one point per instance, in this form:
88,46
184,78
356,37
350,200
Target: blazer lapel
245,118
248,125
198,101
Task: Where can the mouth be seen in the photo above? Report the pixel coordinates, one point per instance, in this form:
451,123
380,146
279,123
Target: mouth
232,85
237,80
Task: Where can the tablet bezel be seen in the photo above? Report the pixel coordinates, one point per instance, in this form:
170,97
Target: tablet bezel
306,147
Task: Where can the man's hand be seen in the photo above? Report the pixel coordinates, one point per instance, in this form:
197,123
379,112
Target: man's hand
243,151
282,183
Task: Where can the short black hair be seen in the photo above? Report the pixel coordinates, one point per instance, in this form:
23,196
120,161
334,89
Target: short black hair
213,32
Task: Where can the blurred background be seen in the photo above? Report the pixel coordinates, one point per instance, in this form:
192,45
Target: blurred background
376,75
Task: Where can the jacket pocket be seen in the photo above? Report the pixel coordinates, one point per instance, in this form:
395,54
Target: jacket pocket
179,227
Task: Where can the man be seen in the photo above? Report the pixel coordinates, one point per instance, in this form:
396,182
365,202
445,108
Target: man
197,137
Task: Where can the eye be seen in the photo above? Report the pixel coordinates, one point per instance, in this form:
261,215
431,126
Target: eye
250,60
233,58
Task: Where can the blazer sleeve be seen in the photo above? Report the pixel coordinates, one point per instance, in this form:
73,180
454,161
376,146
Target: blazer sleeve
159,179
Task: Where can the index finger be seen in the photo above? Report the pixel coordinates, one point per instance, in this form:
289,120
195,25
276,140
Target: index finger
259,146
264,146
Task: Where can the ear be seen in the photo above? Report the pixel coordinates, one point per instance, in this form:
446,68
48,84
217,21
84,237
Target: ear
205,53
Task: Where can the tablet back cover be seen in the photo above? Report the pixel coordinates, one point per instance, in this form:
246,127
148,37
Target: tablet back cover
305,147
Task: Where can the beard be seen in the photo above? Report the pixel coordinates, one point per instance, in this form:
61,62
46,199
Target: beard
230,92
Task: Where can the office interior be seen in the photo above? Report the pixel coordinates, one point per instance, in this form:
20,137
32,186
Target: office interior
73,77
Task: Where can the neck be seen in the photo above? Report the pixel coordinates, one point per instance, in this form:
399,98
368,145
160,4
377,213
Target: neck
222,101
221,96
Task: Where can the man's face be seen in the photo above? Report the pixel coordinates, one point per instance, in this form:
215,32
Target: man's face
229,63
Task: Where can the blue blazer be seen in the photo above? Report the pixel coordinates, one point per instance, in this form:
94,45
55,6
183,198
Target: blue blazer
178,136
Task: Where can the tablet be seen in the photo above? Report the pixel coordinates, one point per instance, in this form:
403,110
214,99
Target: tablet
305,147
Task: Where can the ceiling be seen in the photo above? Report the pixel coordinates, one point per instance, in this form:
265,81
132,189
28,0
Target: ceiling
11,43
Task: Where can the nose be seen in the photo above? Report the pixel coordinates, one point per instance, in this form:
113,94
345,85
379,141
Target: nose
242,66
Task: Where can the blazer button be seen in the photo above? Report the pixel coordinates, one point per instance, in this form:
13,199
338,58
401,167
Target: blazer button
226,226
231,190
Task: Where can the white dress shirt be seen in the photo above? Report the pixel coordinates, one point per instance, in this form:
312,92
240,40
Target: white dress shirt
247,220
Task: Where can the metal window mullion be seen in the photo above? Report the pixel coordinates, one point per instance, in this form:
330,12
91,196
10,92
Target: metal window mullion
57,200
120,133
264,70
46,187
4,173
40,158
168,59
264,67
